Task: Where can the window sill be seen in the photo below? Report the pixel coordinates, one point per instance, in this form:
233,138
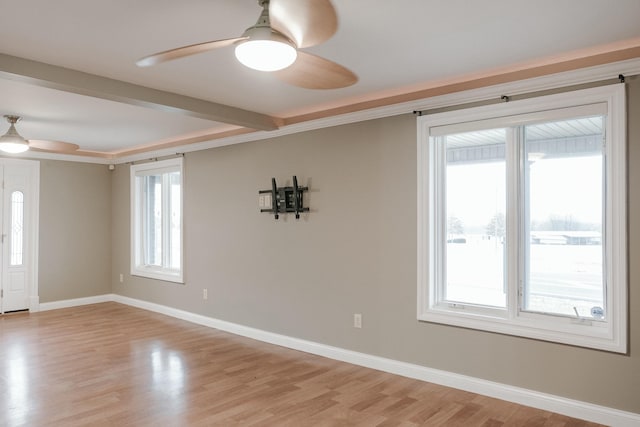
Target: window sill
165,276
589,334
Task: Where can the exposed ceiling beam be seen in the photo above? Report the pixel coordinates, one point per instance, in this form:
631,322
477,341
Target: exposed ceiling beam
68,80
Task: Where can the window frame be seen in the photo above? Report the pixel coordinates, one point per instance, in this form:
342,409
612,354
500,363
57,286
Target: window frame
610,335
138,268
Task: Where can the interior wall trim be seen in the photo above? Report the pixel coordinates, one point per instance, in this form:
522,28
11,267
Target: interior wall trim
76,302
368,111
522,396
583,76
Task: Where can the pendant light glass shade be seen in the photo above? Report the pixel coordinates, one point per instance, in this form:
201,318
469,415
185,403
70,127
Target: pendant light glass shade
266,50
11,142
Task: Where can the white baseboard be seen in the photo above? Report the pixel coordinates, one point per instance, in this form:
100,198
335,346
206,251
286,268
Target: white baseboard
74,302
544,401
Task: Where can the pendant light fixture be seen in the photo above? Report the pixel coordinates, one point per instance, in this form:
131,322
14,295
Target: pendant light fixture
265,48
12,142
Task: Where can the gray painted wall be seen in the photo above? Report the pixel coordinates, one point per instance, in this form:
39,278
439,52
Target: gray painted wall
75,230
355,253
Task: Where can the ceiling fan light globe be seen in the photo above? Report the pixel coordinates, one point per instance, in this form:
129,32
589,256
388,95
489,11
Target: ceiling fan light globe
11,142
13,147
266,55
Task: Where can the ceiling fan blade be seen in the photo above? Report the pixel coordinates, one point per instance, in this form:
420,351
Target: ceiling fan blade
55,146
313,72
305,22
170,55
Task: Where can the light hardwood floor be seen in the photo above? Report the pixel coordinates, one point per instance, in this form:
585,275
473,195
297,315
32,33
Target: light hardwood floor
113,365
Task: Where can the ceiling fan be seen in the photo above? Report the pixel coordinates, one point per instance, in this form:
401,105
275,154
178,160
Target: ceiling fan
12,142
274,44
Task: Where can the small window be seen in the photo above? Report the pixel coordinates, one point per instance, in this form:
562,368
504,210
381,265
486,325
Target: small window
156,220
17,228
522,218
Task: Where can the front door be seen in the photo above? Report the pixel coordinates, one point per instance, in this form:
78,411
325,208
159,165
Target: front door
19,219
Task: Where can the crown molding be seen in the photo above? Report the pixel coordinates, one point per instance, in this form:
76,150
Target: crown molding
587,75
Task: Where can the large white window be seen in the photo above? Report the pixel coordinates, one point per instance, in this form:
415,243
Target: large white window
156,220
522,218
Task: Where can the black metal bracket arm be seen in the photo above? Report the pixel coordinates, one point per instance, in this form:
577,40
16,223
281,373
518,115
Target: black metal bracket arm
286,199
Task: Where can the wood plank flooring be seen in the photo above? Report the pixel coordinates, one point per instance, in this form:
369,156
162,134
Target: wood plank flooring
113,365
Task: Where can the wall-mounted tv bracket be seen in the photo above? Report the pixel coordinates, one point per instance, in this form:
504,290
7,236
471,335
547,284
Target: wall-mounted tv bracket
286,199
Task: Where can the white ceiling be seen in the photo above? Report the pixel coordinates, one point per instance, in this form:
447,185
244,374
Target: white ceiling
395,47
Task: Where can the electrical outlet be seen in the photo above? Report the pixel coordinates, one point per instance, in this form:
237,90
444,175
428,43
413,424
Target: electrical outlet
121,278
357,320
205,294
